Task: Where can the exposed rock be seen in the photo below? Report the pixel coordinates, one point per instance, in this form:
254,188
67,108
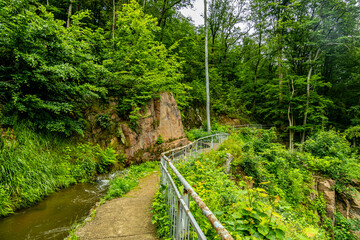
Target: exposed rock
355,205
325,186
114,142
159,117
121,135
229,159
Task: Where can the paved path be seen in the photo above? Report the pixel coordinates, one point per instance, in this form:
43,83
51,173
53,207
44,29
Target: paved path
123,218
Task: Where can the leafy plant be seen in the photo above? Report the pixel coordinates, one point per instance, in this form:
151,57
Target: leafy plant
160,217
345,228
103,120
120,186
105,159
160,140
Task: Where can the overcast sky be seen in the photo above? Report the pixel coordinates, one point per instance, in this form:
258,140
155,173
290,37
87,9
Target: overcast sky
196,14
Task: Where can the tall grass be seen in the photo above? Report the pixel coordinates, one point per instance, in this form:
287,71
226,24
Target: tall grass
35,165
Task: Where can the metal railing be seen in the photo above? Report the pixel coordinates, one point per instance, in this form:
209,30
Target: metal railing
183,225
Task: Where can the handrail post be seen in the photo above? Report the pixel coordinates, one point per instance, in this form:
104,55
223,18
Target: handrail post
186,198
163,176
178,220
182,219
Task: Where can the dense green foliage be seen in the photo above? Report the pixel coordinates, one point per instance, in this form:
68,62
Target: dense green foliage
291,63
273,62
122,185
271,192
33,166
48,72
51,73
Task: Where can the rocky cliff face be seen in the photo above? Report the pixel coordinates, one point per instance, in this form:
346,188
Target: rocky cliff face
161,120
348,206
159,128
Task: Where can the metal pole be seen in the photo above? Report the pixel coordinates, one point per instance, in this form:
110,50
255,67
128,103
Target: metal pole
178,221
186,199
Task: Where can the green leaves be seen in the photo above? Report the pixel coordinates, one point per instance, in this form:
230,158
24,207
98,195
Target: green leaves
143,66
46,69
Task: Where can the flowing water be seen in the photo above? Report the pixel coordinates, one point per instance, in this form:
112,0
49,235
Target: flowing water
53,217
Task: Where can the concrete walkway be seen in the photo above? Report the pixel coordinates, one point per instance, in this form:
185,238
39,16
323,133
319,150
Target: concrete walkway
123,218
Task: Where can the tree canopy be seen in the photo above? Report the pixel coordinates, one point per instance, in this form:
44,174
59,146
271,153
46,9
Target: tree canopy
294,64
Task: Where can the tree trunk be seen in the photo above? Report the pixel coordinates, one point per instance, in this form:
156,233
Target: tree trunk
114,20
308,93
47,2
69,14
256,73
207,70
291,119
162,14
281,76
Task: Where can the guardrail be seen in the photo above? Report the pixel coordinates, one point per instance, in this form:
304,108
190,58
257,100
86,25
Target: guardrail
183,224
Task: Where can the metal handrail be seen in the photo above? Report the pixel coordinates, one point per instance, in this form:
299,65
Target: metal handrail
180,222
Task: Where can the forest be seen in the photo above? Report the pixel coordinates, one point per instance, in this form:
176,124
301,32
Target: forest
291,64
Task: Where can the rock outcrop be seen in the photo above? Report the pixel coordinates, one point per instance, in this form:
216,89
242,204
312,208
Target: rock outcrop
159,128
162,119
326,187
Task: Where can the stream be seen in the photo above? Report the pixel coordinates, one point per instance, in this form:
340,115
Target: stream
54,216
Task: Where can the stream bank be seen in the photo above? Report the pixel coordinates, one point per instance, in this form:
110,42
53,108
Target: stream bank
53,217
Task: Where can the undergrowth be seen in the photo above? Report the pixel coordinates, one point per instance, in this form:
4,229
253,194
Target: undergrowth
34,165
122,185
266,195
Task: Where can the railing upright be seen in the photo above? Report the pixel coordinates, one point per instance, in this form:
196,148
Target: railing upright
181,218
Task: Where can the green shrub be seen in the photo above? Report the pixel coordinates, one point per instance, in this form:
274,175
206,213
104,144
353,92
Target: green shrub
160,140
328,143
120,186
103,120
160,217
33,166
330,154
105,159
344,228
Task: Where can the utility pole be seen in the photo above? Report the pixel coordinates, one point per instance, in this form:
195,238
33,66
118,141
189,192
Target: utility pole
207,70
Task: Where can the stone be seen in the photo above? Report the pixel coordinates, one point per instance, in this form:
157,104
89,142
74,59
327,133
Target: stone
355,205
229,159
170,124
114,141
121,135
325,186
160,117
